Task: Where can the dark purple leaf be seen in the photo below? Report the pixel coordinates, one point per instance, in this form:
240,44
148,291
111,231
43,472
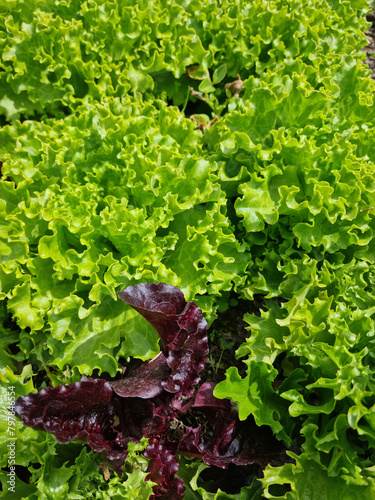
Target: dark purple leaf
145,381
162,468
206,402
181,327
84,411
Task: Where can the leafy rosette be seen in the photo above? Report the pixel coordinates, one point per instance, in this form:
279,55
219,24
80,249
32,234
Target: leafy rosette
156,401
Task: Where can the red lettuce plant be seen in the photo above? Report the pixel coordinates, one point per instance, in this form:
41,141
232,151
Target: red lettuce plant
157,400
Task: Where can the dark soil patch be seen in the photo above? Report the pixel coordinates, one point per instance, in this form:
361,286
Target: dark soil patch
370,49
225,336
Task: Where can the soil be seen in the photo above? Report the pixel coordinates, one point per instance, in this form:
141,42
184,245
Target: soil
225,336
370,49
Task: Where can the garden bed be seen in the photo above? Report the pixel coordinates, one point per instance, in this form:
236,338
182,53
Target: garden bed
225,149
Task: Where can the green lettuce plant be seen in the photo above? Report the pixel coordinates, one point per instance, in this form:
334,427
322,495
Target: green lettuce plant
226,148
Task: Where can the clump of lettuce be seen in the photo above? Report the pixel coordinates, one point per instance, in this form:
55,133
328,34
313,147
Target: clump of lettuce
151,401
133,199
221,147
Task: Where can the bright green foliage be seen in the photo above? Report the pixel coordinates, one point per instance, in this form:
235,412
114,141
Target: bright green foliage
104,199
107,182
